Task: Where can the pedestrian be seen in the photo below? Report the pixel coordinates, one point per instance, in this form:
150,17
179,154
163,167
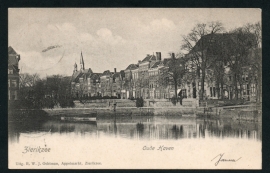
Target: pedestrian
114,106
180,100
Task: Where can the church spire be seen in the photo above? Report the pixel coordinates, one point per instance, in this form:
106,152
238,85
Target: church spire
82,62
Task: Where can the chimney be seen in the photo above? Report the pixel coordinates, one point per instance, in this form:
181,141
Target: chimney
139,61
158,56
114,70
173,55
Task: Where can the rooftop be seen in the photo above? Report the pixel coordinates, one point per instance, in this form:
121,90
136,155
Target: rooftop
11,51
132,67
149,58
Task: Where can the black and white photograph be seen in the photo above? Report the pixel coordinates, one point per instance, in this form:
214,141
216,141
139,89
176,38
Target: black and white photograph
134,88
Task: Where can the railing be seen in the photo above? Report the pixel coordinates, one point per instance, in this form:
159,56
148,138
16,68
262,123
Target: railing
187,103
241,106
203,104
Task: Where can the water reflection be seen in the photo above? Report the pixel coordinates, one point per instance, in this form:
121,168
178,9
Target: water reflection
147,128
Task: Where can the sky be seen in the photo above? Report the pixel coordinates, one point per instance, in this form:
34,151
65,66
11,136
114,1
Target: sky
107,37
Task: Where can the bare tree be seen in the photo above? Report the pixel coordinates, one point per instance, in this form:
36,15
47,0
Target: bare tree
254,59
255,29
236,50
176,72
143,82
27,80
35,78
197,45
219,74
26,84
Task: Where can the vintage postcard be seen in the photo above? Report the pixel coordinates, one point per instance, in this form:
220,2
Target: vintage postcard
134,88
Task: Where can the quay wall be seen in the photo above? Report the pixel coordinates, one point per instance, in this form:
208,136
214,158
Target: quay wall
234,112
102,103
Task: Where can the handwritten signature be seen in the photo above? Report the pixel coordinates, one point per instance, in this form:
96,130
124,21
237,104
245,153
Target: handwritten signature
220,159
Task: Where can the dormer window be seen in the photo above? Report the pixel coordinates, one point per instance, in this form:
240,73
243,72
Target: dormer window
10,71
245,77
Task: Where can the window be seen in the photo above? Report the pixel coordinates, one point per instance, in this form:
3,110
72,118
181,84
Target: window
245,77
15,95
14,83
230,78
253,91
248,89
10,71
8,83
244,89
157,95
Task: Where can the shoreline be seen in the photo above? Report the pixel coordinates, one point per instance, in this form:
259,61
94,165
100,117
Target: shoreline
232,112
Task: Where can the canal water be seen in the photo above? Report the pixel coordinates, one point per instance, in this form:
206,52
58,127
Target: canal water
136,143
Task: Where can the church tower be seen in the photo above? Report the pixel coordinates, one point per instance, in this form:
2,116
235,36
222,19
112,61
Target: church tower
82,62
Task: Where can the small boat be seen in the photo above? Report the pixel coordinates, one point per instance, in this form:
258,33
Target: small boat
79,118
83,117
188,115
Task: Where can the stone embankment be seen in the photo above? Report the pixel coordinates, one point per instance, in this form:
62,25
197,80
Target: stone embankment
105,108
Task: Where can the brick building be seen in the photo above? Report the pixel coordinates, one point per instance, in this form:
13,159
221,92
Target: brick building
13,74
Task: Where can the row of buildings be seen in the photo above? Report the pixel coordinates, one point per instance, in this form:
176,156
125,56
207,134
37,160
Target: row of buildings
142,79
149,79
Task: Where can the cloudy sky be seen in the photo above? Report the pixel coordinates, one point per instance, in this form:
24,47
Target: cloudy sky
108,37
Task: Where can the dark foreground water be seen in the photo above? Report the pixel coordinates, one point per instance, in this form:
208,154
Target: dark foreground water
134,142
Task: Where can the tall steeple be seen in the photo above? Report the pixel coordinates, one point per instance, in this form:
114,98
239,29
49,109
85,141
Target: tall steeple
82,62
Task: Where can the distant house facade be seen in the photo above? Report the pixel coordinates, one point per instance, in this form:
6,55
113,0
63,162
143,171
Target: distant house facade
148,79
13,74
